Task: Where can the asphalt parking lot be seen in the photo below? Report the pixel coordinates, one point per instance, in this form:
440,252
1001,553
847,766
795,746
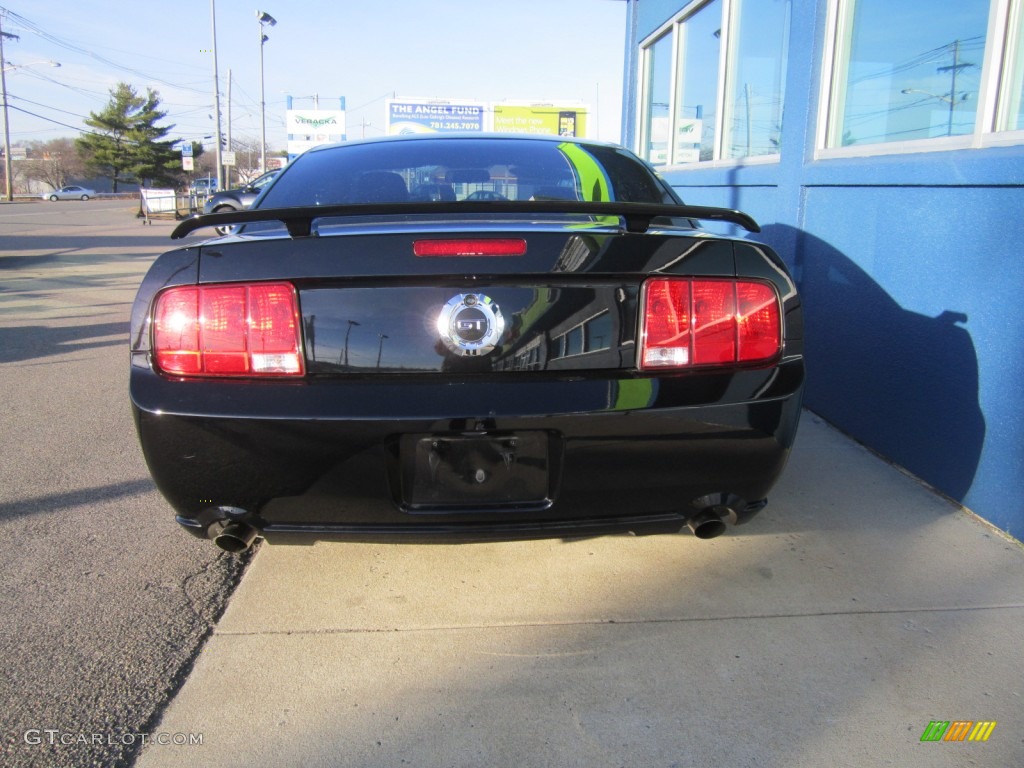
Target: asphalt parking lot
104,605
857,610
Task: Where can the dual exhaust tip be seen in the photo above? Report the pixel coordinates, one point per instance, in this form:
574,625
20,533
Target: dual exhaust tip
236,537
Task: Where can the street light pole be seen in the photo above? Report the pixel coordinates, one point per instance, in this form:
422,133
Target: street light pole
347,334
264,19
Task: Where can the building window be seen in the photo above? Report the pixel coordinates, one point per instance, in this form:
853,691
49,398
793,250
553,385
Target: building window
757,78
907,72
713,83
658,89
907,78
699,40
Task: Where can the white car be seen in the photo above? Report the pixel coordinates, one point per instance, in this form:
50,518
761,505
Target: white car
69,193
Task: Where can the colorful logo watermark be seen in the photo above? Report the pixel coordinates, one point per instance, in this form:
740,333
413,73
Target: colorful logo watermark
958,730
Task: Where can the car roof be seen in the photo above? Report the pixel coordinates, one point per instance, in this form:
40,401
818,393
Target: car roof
531,137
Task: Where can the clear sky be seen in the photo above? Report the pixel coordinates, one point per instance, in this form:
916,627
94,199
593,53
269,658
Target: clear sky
362,50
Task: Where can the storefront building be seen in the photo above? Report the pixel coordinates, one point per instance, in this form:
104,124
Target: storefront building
880,144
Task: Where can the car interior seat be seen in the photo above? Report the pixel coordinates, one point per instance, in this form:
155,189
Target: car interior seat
381,187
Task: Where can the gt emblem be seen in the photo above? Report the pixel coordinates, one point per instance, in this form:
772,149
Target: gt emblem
470,324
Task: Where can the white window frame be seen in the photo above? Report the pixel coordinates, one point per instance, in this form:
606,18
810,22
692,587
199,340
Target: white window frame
722,111
646,82
995,101
1013,67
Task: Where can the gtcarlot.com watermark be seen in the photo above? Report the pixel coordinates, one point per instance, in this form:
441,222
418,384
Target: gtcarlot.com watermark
55,737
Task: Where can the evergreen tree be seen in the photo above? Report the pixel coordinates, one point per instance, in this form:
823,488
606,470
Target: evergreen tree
126,143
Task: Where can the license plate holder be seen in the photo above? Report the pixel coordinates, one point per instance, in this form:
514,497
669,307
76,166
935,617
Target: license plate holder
459,472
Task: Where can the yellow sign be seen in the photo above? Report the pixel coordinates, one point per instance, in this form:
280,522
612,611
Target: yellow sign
549,119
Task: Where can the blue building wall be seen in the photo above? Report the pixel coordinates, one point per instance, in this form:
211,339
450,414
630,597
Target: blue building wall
911,267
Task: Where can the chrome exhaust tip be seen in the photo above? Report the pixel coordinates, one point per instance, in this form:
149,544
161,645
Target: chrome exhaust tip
236,537
708,523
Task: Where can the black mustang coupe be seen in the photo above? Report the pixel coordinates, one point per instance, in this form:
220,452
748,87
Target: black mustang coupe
545,344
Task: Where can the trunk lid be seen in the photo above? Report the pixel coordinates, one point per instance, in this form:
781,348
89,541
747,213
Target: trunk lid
369,304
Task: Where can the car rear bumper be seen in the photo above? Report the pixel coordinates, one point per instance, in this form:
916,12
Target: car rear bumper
587,456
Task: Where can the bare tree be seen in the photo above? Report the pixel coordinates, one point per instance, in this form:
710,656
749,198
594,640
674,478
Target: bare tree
54,163
247,150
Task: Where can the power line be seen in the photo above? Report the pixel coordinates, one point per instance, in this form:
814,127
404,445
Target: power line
33,27
928,57
47,106
51,120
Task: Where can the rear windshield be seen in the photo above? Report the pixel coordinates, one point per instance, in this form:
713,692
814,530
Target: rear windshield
478,169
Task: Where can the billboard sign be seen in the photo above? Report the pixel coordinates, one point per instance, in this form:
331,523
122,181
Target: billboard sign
549,119
312,127
429,116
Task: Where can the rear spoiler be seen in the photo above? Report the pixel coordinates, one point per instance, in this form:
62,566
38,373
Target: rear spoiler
299,221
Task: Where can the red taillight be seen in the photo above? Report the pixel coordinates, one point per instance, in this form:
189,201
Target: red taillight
666,330
688,322
760,322
228,330
470,247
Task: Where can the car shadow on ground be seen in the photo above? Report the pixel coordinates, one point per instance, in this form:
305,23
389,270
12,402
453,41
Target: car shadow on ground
903,383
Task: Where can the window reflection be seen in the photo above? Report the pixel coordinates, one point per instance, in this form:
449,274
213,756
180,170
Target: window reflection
685,114
658,77
756,78
909,72
697,99
592,335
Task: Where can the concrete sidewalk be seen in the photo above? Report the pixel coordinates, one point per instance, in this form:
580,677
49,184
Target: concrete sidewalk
852,612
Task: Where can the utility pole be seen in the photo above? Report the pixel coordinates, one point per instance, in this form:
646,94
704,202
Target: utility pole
227,170
953,71
216,94
8,176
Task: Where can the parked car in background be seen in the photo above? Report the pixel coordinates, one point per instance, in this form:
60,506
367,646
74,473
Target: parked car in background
573,357
204,186
238,198
69,193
